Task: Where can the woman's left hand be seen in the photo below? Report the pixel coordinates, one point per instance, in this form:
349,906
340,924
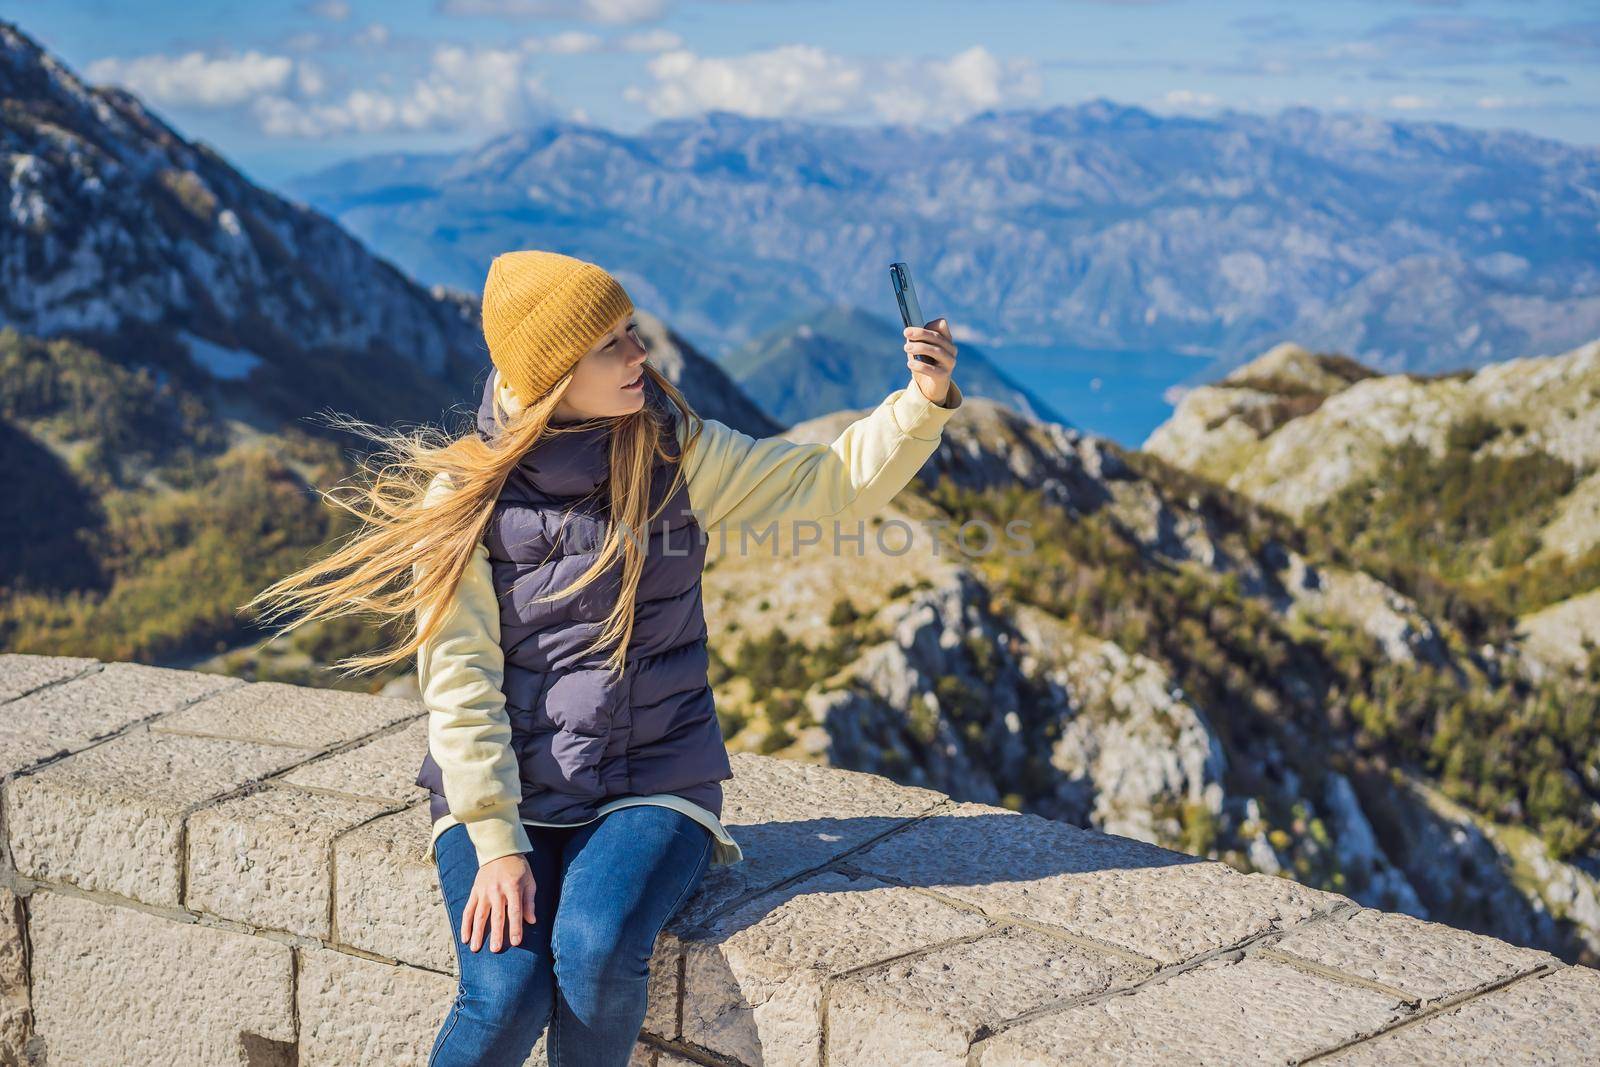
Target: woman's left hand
933,340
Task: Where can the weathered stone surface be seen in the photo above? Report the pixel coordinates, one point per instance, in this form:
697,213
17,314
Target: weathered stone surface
754,978
789,817
279,714
73,714
935,1002
19,752
1161,904
122,986
1427,961
356,1011
1223,1012
14,1024
855,956
265,858
661,995
110,817
386,895
383,768
21,673
1554,1019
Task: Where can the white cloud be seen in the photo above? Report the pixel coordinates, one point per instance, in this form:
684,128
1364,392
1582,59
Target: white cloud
803,80
478,88
795,79
308,79
1410,102
610,12
570,43
650,41
373,35
196,79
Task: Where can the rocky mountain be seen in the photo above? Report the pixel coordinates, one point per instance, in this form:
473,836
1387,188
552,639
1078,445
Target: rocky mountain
1170,660
169,335
841,357
1489,480
124,234
1410,245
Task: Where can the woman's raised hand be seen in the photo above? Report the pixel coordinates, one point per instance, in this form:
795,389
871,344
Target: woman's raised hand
934,341
502,900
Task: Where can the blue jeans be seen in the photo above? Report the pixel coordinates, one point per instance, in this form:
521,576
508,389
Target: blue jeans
602,893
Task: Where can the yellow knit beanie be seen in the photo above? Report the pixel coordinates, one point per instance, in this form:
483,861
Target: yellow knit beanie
542,311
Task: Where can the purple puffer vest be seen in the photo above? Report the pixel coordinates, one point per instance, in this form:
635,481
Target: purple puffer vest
582,735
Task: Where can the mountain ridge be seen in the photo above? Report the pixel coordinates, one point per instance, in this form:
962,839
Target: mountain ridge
1089,226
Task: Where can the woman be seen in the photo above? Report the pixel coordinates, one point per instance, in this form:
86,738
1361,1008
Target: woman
553,562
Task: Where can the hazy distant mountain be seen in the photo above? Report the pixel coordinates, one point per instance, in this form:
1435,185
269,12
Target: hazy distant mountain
1409,245
834,358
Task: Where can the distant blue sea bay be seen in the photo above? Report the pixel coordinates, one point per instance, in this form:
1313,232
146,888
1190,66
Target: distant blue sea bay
1114,394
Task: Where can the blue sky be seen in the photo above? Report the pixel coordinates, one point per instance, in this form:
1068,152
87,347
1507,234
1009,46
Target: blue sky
285,87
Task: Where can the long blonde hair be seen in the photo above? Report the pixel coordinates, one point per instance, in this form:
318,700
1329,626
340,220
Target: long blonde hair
413,546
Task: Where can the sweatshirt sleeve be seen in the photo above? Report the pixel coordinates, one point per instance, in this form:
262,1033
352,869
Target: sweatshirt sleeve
459,671
735,479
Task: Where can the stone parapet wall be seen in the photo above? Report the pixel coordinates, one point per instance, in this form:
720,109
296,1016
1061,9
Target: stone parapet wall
199,870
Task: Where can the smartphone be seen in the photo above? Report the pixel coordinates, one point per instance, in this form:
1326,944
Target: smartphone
906,296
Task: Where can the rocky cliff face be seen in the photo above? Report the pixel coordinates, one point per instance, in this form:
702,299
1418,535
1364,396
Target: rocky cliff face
1170,661
1509,454
1292,428
1478,490
120,230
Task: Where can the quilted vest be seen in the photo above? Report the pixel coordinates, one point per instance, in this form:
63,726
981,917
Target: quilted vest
581,734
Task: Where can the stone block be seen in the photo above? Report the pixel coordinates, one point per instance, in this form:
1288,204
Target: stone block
74,714
357,1011
1553,1019
790,817
1226,1011
383,768
266,858
386,894
274,713
115,985
1426,961
755,977
926,1009
1163,905
661,1006
15,1025
111,817
21,673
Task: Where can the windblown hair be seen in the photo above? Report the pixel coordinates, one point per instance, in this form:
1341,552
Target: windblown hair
417,535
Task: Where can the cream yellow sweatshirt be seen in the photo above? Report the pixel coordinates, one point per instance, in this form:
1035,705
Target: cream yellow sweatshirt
735,482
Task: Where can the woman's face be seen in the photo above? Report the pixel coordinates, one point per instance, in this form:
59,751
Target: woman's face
600,380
